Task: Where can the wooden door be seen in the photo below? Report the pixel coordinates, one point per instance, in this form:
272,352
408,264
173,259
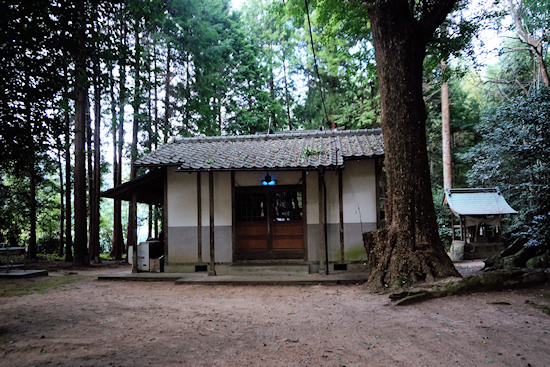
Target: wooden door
269,223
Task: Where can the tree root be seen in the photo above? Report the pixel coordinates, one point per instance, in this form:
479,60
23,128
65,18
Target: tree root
494,281
397,261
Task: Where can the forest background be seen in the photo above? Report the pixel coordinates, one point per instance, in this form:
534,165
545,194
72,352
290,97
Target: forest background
90,86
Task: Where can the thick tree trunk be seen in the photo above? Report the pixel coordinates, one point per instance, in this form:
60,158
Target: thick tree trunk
287,94
446,137
91,189
167,93
81,103
32,211
132,208
94,205
150,135
155,127
80,210
68,191
408,250
118,135
61,205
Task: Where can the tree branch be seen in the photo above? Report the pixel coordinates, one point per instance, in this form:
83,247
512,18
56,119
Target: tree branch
515,49
531,41
508,82
434,13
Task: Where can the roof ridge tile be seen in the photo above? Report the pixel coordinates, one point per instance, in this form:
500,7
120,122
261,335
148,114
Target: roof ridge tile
290,149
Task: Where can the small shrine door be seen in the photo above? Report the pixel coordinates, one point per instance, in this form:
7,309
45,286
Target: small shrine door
269,223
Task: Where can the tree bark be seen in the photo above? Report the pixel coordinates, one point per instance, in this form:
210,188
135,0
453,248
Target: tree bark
61,204
118,135
91,190
446,134
81,102
409,249
167,93
80,226
95,204
31,252
32,210
132,208
287,94
68,191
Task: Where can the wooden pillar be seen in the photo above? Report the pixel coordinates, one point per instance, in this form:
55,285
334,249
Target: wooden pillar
323,266
150,222
463,229
164,225
233,218
305,237
498,229
212,270
132,236
341,215
199,218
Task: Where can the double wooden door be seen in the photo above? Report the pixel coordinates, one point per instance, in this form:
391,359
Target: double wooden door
269,223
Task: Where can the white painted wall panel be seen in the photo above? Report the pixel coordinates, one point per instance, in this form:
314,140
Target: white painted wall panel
312,197
181,197
223,209
333,208
359,192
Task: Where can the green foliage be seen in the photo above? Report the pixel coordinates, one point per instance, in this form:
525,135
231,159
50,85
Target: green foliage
13,195
512,76
230,73
513,154
534,16
312,152
343,89
28,78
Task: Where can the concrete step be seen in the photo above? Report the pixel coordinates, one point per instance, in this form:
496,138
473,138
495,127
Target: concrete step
268,269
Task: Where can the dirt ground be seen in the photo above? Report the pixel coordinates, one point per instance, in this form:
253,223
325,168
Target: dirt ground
101,323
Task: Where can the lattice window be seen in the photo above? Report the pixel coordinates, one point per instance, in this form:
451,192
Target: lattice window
286,205
250,206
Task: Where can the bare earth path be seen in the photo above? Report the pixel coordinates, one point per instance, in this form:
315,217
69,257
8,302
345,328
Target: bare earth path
97,323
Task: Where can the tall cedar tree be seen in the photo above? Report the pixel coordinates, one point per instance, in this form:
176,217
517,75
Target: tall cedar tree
81,103
408,250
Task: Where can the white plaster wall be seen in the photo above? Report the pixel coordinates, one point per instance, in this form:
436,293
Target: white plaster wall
333,204
359,194
359,209
312,197
359,191
205,209
255,178
223,220
181,198
182,216
222,199
223,209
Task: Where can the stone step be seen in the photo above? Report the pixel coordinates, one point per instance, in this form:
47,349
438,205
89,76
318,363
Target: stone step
268,269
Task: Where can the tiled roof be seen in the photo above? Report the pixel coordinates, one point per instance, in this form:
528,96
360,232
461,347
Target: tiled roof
477,201
291,149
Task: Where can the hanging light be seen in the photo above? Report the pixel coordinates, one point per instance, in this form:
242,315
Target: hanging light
268,181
